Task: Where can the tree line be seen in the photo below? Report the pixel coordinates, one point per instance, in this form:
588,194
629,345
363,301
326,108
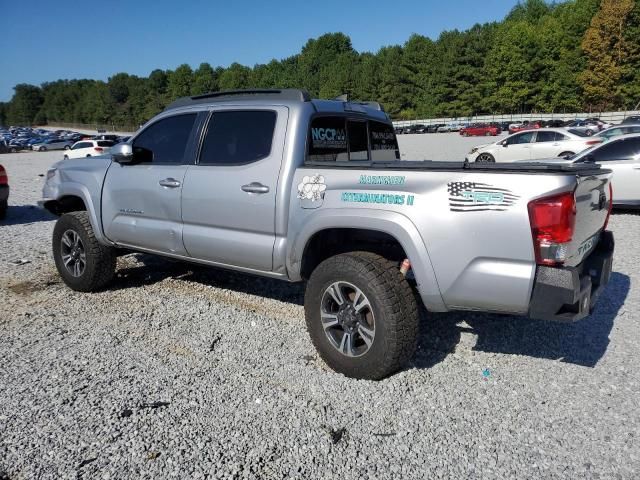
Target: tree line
579,55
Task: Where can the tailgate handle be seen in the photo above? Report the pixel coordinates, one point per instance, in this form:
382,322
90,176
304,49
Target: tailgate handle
255,187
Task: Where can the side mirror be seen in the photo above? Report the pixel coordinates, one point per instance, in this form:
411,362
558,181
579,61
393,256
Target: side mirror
122,153
504,143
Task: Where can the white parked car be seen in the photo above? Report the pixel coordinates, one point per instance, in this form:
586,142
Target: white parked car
89,148
618,130
622,156
533,144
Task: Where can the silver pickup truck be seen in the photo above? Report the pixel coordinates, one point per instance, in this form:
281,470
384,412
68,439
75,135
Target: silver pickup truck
274,183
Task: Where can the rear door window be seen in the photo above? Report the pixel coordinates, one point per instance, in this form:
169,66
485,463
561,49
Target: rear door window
384,146
238,137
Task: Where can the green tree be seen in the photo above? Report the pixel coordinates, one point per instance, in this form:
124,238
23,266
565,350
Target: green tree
205,79
607,52
235,77
179,82
24,105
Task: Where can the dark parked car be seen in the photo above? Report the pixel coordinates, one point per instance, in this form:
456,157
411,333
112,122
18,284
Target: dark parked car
557,123
632,119
4,147
113,138
416,128
434,127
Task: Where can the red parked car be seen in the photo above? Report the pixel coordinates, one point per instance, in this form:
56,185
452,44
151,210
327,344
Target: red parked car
526,125
480,129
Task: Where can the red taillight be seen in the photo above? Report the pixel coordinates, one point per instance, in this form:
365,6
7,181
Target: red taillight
592,142
552,222
98,149
606,221
4,180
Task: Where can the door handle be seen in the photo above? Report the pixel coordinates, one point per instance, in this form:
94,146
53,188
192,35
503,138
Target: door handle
169,182
255,187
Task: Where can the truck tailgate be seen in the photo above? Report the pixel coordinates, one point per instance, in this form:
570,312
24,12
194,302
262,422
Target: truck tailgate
593,201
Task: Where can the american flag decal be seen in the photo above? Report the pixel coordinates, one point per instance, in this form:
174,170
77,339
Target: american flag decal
479,197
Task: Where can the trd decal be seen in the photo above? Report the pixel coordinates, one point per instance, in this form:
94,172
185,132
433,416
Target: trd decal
479,197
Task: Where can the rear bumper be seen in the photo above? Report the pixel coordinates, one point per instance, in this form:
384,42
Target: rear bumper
568,294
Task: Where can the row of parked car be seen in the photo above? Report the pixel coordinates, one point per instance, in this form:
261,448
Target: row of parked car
16,139
616,148
588,126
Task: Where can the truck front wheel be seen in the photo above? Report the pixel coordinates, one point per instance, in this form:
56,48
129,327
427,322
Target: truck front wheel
361,315
83,263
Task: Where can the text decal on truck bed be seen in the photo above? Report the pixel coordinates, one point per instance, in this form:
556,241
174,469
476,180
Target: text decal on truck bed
479,197
383,198
381,180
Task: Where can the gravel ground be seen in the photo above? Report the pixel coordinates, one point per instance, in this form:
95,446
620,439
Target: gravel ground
179,371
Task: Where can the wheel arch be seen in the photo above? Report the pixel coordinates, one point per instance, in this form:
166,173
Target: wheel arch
390,234
76,197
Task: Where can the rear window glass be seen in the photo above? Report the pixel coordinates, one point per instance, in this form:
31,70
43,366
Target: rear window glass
358,143
384,145
105,143
334,139
328,140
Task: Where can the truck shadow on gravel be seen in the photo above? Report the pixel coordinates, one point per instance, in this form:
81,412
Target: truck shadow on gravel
582,343
150,269
23,214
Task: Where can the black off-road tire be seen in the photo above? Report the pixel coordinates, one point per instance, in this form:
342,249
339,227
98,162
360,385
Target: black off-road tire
4,205
100,259
392,302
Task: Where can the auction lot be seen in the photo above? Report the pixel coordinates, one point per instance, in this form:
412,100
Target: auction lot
187,372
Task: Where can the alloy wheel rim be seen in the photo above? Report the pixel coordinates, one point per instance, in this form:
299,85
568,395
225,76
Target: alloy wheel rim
74,257
347,319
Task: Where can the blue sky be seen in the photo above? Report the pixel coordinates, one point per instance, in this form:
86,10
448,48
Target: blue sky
45,41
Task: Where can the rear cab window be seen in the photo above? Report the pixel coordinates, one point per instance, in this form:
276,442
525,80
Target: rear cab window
341,138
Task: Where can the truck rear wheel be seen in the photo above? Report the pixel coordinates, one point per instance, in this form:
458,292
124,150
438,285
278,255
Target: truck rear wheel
84,264
361,314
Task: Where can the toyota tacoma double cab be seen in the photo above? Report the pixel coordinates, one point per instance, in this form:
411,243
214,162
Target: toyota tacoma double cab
277,184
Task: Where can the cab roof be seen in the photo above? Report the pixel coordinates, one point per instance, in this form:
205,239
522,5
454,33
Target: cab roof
280,96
